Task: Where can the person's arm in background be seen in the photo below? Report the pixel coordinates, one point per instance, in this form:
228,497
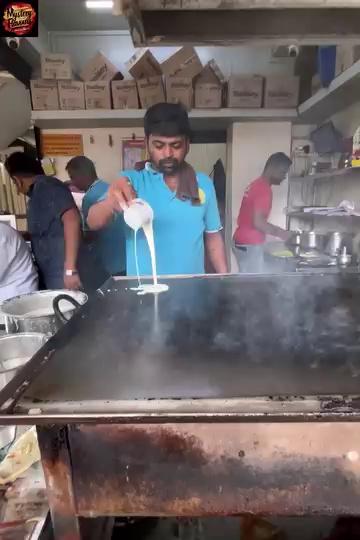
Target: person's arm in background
262,225
72,237
214,242
261,199
120,194
215,249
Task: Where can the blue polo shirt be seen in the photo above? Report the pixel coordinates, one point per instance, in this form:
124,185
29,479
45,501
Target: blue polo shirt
179,226
109,242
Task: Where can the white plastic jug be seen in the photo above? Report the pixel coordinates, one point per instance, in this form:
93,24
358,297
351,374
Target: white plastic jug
138,214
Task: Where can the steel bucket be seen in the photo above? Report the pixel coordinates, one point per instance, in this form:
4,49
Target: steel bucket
34,312
15,351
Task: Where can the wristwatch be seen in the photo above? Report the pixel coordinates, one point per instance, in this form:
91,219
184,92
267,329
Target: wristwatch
71,272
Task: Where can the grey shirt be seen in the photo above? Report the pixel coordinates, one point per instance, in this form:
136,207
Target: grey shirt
17,271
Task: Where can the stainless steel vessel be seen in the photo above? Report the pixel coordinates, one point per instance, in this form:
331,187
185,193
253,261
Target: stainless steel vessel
312,240
308,240
15,351
34,312
336,241
344,258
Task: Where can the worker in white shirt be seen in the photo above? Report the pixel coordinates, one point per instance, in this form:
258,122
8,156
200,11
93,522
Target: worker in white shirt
17,271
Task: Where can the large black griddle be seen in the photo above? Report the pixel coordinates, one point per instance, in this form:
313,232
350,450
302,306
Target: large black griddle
207,338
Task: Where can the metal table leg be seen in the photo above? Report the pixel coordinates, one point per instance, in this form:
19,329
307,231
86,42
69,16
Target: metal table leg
54,448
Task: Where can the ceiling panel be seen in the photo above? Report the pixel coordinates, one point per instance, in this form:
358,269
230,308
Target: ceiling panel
72,15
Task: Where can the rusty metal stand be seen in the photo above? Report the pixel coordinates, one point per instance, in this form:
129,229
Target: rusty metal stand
55,456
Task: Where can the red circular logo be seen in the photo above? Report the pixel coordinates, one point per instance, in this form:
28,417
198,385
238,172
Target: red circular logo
19,18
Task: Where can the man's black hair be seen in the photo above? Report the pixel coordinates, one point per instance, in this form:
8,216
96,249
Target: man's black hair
21,164
83,166
167,120
278,159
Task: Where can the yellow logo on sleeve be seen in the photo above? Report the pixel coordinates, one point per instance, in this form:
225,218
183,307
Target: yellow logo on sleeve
202,196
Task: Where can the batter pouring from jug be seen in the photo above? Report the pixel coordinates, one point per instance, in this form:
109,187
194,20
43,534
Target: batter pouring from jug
186,218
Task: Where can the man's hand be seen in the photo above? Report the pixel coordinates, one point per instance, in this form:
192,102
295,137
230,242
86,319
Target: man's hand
284,235
120,194
72,282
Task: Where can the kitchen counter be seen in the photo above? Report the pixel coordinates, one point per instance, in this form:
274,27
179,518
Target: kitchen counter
340,270
225,395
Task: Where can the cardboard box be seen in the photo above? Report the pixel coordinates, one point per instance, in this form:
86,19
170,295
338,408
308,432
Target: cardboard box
56,66
211,73
281,92
97,95
124,95
208,95
71,95
99,68
346,56
143,65
151,91
44,95
180,90
184,63
245,92
209,87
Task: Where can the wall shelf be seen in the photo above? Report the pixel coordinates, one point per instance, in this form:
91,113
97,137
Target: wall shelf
328,175
342,92
200,118
309,215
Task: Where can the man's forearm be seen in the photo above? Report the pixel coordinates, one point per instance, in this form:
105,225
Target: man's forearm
215,249
100,215
274,230
72,237
265,227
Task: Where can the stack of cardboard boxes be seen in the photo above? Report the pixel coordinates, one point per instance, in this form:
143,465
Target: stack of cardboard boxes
180,70
55,68
58,89
209,87
180,79
245,92
146,71
281,92
97,75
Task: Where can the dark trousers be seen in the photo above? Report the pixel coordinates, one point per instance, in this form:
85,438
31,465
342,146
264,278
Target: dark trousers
91,271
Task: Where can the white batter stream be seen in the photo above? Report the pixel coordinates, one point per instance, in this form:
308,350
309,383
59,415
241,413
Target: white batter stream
146,288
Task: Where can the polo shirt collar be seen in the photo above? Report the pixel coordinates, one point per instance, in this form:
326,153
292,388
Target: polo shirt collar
150,168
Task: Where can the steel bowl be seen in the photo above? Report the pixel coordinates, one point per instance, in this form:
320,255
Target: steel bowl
15,351
34,312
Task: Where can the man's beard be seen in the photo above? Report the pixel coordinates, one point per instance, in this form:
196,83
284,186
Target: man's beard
169,166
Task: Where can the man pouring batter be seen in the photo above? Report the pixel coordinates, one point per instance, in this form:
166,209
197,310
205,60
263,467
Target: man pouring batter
186,217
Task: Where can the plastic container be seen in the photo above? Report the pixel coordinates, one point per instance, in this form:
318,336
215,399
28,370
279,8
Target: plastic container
326,64
138,214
